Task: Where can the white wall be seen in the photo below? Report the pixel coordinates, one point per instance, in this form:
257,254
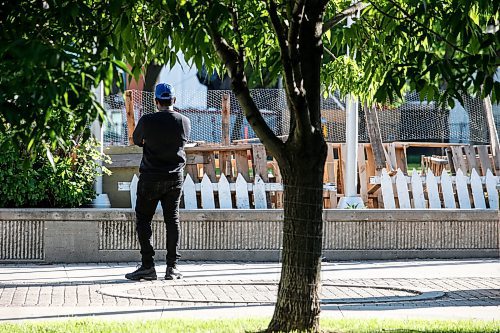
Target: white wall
189,91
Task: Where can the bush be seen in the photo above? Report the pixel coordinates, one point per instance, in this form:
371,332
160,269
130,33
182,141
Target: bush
33,181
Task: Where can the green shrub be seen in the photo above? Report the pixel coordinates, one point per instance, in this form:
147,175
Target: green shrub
33,181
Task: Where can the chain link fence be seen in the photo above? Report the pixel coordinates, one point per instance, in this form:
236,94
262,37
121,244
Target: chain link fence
410,121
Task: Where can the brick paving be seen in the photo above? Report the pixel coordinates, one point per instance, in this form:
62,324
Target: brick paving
451,291
28,291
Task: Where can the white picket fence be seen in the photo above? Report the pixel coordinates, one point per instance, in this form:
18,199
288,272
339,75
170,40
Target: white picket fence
467,192
247,195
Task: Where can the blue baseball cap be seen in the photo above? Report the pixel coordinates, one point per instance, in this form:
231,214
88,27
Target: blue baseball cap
164,91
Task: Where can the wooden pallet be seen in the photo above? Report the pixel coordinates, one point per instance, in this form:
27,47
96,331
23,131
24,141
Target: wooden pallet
214,160
469,157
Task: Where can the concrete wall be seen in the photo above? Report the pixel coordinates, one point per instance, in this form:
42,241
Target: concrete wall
125,163
96,235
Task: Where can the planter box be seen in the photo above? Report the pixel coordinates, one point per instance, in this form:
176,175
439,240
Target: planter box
104,235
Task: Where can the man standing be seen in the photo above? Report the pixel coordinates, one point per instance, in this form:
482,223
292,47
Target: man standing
162,135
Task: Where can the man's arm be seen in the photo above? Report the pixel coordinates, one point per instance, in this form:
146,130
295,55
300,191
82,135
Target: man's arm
138,135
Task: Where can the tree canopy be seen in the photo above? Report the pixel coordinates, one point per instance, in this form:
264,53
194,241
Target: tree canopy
51,56
54,51
441,49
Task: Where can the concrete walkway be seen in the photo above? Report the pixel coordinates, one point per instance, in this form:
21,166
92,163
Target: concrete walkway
429,289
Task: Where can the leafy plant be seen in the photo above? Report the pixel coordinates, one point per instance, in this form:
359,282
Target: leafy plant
31,180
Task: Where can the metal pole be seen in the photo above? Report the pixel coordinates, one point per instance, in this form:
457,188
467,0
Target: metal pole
101,200
351,198
352,146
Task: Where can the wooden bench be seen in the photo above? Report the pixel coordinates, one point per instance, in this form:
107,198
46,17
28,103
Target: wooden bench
224,195
445,191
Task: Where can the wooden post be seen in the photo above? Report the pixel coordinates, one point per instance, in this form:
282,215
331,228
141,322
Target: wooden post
373,126
129,107
225,156
495,145
226,109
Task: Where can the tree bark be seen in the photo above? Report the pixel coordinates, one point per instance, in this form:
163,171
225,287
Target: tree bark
301,159
152,72
298,303
375,137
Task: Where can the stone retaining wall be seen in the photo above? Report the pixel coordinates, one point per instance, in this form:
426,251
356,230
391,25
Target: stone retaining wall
97,235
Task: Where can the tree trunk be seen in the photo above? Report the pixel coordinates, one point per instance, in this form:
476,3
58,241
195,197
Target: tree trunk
298,305
152,72
375,137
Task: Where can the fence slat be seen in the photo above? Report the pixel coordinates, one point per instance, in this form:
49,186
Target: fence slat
432,190
470,153
447,188
133,190
458,159
242,193
207,193
402,188
224,193
491,187
477,190
259,193
484,159
417,190
189,193
462,190
387,192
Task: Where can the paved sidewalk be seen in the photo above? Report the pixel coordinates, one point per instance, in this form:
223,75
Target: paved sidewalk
444,289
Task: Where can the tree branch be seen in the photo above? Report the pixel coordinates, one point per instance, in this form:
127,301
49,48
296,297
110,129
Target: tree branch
290,60
231,60
296,92
237,32
282,42
349,11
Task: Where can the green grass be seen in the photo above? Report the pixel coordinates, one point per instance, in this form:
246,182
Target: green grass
250,325
417,167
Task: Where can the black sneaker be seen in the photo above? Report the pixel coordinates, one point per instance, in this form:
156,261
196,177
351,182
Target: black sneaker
142,273
172,273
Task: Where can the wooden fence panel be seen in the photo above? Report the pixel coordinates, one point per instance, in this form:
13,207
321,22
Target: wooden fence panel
207,193
418,190
225,201
402,190
491,187
259,193
432,190
462,190
447,189
484,159
387,191
242,201
477,190
189,193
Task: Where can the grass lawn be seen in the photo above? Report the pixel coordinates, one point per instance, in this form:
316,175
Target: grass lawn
250,325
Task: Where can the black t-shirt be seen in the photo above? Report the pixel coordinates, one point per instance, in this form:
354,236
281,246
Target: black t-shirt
162,135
